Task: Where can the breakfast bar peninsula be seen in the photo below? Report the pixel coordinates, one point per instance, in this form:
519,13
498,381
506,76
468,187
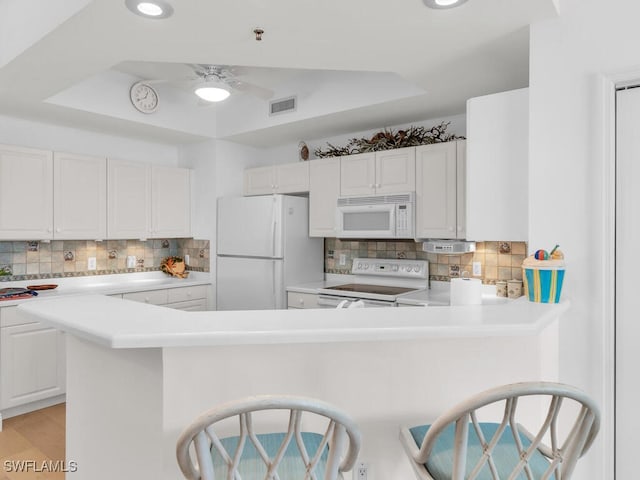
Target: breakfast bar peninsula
137,374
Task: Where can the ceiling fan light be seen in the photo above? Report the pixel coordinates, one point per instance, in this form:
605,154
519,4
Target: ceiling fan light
155,9
210,93
441,4
148,8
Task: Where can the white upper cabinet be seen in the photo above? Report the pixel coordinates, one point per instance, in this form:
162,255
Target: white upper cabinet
358,174
324,190
439,200
497,165
26,193
395,170
79,197
389,171
284,178
129,198
170,202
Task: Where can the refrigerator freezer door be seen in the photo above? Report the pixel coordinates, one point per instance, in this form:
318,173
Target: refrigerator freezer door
249,283
250,226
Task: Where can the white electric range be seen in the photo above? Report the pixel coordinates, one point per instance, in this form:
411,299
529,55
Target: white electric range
378,282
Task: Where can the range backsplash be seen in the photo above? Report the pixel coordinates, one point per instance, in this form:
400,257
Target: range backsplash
499,260
20,260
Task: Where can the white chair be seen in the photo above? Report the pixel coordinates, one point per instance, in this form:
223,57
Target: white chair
287,454
459,447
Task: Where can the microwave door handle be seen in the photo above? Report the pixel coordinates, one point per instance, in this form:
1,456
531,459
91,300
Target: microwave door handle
392,221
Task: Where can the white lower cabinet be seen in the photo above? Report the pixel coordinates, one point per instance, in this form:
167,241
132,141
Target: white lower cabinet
302,300
190,299
32,360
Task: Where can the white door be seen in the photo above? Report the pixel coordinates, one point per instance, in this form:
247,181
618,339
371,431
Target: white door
324,190
627,388
248,283
170,202
436,191
250,226
396,170
26,193
358,174
79,197
129,199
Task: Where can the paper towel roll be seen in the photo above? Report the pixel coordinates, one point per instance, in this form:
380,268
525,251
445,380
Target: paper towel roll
466,291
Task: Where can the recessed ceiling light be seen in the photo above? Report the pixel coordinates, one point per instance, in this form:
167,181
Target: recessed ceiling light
443,3
215,92
156,9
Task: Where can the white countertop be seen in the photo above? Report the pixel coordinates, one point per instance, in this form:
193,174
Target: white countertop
123,324
106,284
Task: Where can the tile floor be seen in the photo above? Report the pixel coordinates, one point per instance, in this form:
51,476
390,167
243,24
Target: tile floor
38,437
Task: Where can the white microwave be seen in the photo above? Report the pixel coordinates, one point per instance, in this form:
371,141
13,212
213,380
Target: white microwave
376,216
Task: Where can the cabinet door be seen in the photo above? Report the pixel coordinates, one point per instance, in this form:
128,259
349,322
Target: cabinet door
171,202
358,174
396,171
461,190
129,199
259,181
26,193
79,197
292,177
33,364
436,195
498,152
324,190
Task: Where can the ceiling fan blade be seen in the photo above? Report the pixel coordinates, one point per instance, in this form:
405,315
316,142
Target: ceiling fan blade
252,89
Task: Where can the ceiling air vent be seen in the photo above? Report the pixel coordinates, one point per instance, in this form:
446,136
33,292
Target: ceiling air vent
283,105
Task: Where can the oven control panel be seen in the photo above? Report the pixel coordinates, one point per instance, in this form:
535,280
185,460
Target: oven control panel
390,267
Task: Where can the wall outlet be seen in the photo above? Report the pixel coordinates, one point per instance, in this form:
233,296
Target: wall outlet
131,261
91,263
361,471
343,259
477,269
187,260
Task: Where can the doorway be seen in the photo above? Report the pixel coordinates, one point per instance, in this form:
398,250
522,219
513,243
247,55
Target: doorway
627,286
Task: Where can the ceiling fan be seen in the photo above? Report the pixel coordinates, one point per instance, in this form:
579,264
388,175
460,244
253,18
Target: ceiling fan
214,83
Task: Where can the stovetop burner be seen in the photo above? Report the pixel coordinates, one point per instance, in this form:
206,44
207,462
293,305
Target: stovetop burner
369,288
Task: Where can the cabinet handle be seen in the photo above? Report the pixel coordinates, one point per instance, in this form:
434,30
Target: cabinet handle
378,185
146,299
371,185
57,230
301,301
451,229
49,229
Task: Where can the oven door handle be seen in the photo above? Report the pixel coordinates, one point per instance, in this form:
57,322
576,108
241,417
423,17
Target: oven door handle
331,301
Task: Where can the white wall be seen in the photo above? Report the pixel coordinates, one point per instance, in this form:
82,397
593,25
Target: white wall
15,131
218,168
566,204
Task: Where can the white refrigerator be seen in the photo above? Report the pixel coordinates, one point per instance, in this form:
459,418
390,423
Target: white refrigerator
263,246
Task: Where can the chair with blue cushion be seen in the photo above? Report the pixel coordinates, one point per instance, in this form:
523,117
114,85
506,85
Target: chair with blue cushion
457,446
290,453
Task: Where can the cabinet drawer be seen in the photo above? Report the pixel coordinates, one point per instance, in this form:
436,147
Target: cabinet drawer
184,294
302,300
154,297
199,305
9,316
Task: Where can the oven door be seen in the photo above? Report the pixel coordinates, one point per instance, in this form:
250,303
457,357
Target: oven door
366,221
331,301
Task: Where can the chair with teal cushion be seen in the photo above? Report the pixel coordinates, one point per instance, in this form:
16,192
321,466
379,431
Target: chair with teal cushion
457,446
287,454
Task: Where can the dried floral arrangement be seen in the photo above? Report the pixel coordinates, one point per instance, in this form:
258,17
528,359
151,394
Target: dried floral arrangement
387,139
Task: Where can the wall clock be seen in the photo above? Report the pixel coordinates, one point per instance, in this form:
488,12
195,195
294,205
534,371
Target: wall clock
143,97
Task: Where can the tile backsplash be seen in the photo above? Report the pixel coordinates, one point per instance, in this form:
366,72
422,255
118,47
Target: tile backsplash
499,260
21,260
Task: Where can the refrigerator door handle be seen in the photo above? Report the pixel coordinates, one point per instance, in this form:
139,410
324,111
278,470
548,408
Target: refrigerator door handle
273,228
